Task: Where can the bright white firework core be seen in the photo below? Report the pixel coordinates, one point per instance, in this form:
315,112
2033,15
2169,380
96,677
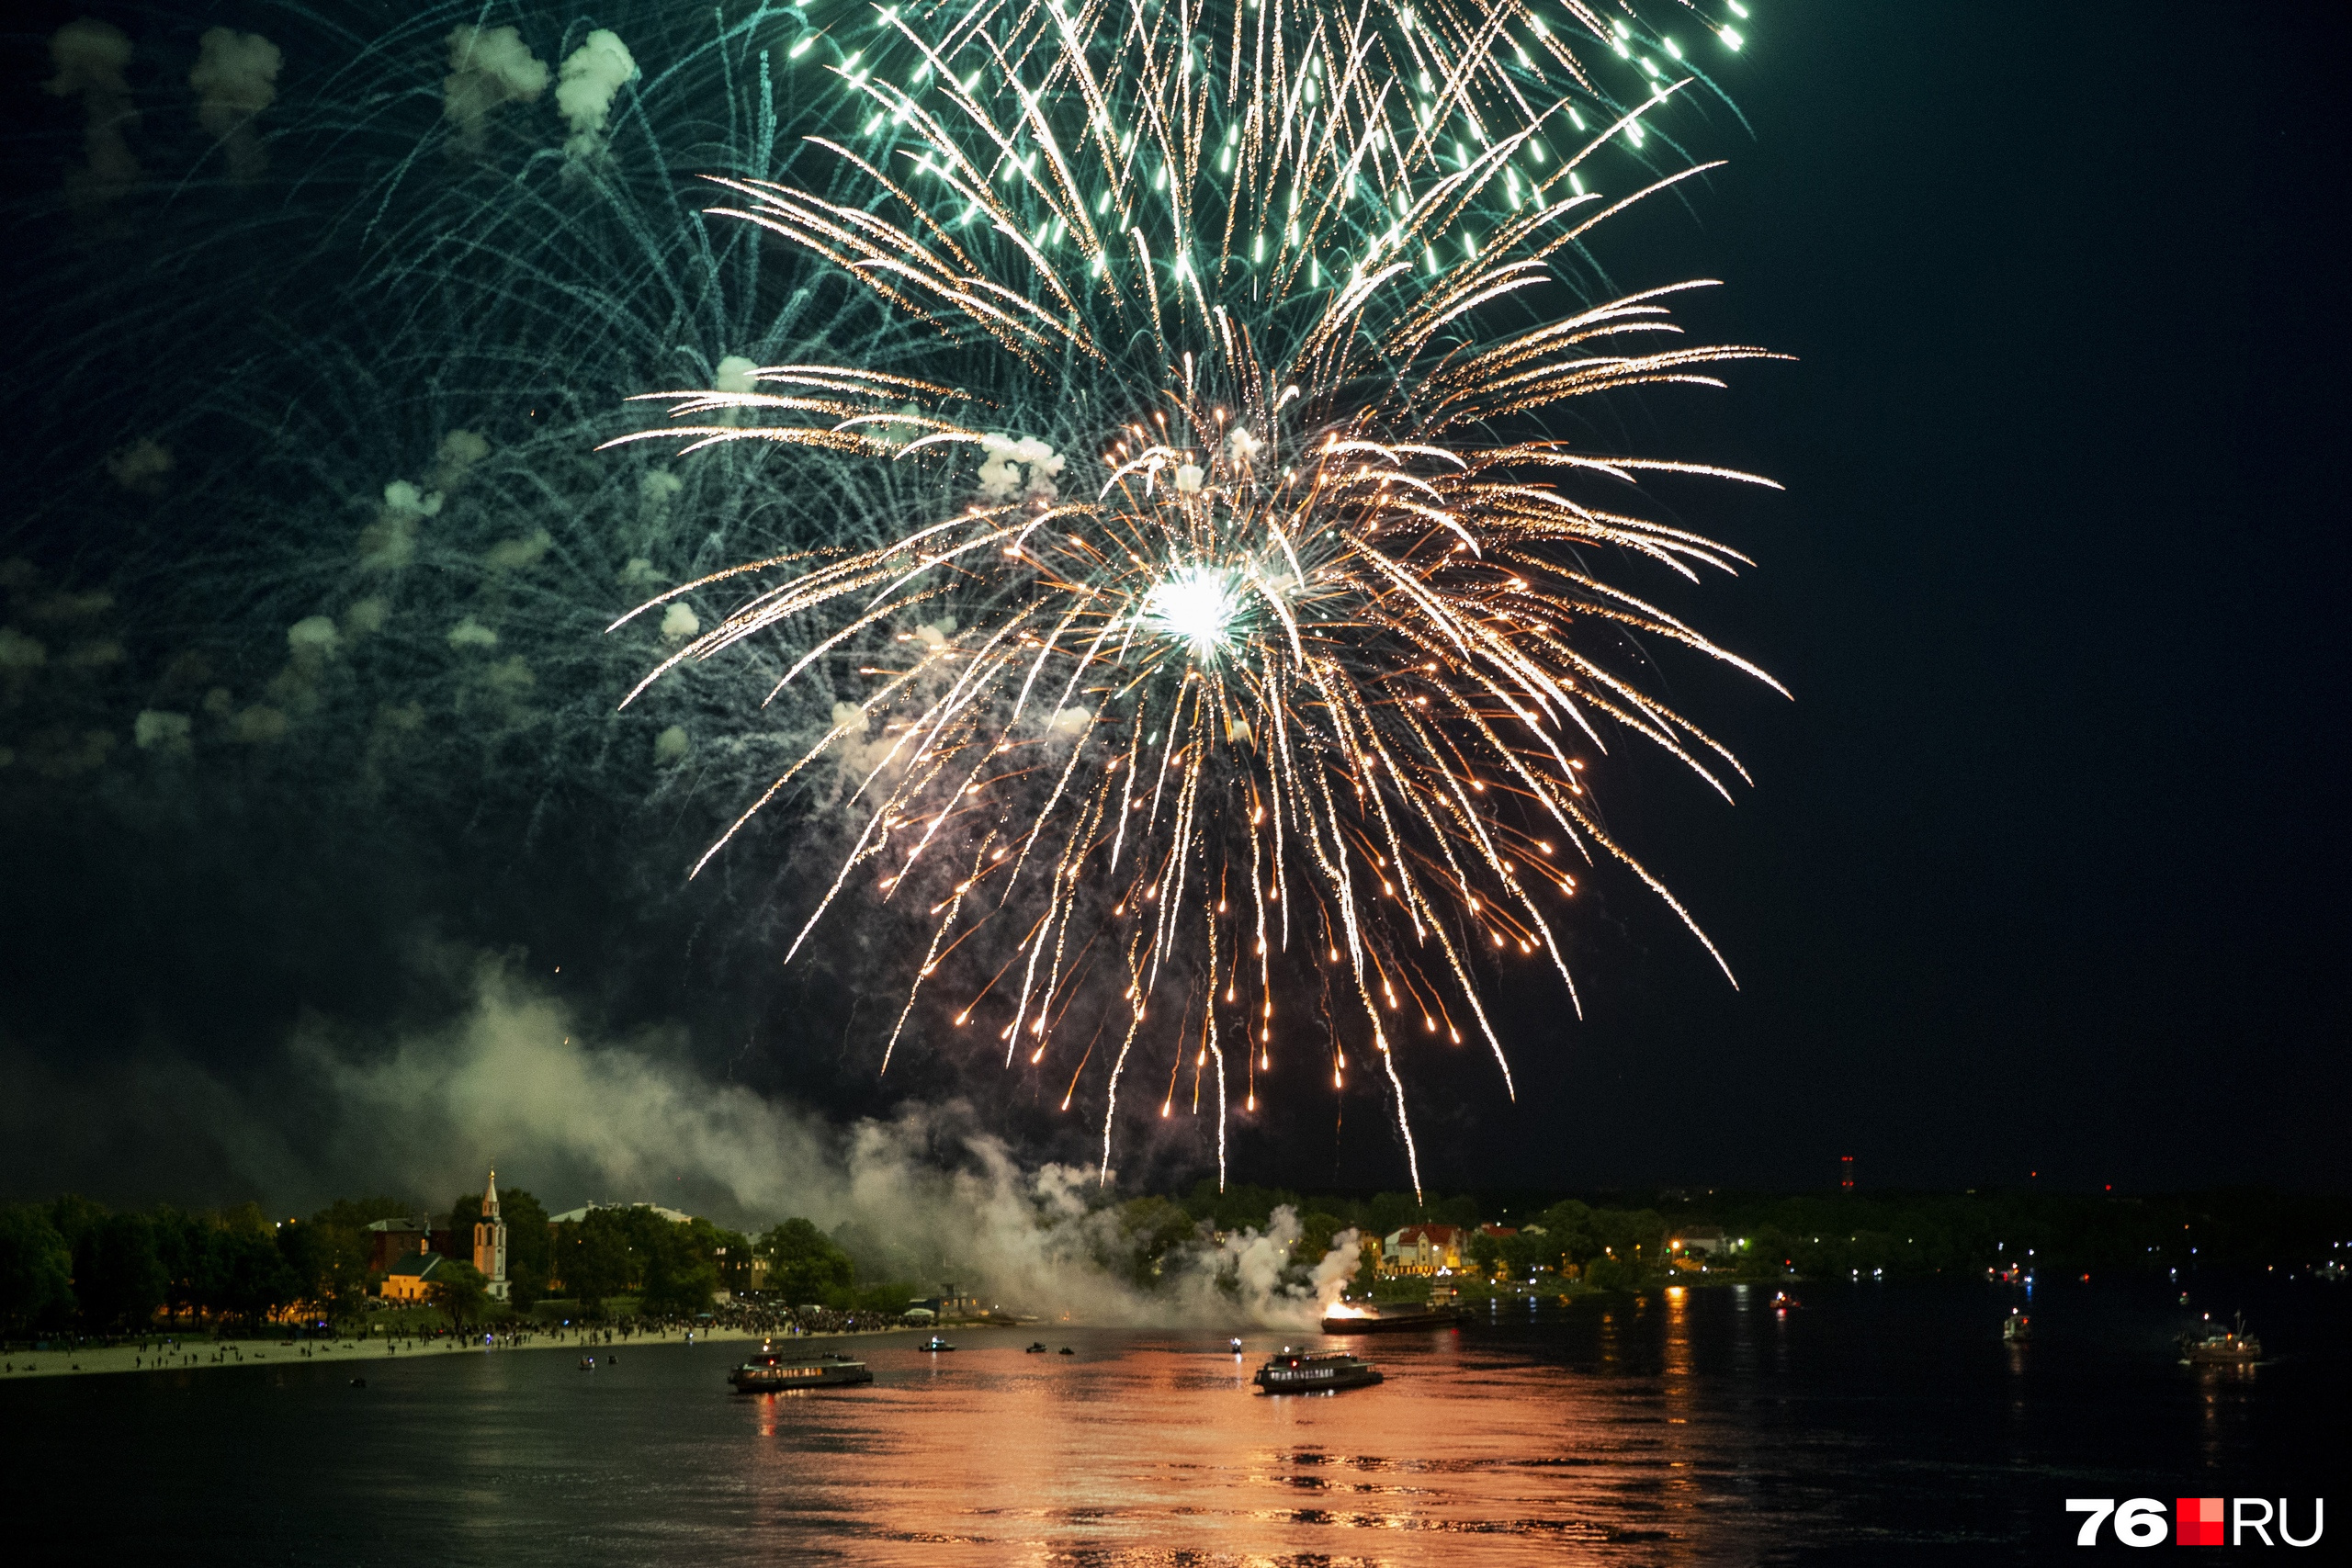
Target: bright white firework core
1196,603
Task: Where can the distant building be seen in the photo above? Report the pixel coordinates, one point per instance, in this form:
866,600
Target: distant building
412,1279
573,1216
1422,1249
389,1241
489,1242
1700,1241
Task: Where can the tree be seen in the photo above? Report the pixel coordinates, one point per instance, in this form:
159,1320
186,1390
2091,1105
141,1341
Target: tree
330,1253
1316,1231
35,1270
681,1271
117,1278
459,1291
464,1214
1484,1252
530,1246
1390,1213
1149,1228
594,1257
246,1276
805,1265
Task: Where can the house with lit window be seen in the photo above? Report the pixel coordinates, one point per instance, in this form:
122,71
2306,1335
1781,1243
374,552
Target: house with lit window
1422,1249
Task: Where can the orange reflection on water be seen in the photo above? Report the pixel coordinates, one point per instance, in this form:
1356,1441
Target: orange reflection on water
1150,1449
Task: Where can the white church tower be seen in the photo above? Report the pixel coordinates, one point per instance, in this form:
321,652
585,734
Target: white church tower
489,1241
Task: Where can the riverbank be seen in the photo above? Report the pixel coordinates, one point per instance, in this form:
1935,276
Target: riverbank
201,1355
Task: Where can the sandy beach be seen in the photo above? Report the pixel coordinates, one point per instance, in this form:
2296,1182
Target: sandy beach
197,1355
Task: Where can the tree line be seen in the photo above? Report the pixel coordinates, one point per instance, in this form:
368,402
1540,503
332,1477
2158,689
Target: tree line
74,1264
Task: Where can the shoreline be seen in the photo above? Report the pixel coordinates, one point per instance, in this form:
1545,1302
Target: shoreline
226,1353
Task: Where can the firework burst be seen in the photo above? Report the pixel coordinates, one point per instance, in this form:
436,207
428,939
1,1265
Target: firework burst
1279,652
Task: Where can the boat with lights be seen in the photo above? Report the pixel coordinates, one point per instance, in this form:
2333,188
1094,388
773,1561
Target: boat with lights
768,1373
1315,1372
2222,1346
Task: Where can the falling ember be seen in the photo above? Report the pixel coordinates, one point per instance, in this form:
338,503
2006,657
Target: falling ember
1238,653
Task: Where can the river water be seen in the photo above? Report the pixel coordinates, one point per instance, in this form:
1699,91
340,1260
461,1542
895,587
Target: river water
1873,1425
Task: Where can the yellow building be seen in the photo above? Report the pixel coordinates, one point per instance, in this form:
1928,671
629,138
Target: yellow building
1422,1249
412,1277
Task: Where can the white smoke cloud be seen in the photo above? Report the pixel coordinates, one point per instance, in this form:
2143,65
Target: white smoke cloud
679,622
20,653
518,1080
592,76
235,78
390,542
90,57
314,638
1018,465
487,66
672,744
155,730
140,468
470,633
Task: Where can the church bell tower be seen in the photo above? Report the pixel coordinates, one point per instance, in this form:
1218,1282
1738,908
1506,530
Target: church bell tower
489,1241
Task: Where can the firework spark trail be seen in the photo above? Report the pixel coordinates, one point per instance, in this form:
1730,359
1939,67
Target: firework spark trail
1315,572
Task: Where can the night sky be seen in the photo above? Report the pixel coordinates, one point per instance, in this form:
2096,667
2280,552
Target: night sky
2043,868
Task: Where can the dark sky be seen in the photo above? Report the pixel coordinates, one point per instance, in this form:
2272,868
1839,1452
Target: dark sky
2042,869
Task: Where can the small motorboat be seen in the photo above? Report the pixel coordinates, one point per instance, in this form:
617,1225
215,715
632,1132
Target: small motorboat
587,1363
2222,1346
1067,1351
1784,1304
934,1343
2017,1329
768,1373
1036,1349
1315,1372
1235,1343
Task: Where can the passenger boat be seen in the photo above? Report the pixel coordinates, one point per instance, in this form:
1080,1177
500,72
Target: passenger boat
934,1343
2222,1346
2017,1329
768,1373
1315,1372
1352,1317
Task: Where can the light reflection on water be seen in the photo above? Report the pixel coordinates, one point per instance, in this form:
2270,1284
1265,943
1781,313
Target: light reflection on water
1687,1428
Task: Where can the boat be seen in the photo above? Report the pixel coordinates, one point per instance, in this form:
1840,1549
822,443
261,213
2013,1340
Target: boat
587,1363
2222,1346
1315,1372
1067,1351
768,1373
1037,1348
934,1343
1351,1317
2017,1329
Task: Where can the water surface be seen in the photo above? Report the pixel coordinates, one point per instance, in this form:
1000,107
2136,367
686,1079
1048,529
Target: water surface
1875,1425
